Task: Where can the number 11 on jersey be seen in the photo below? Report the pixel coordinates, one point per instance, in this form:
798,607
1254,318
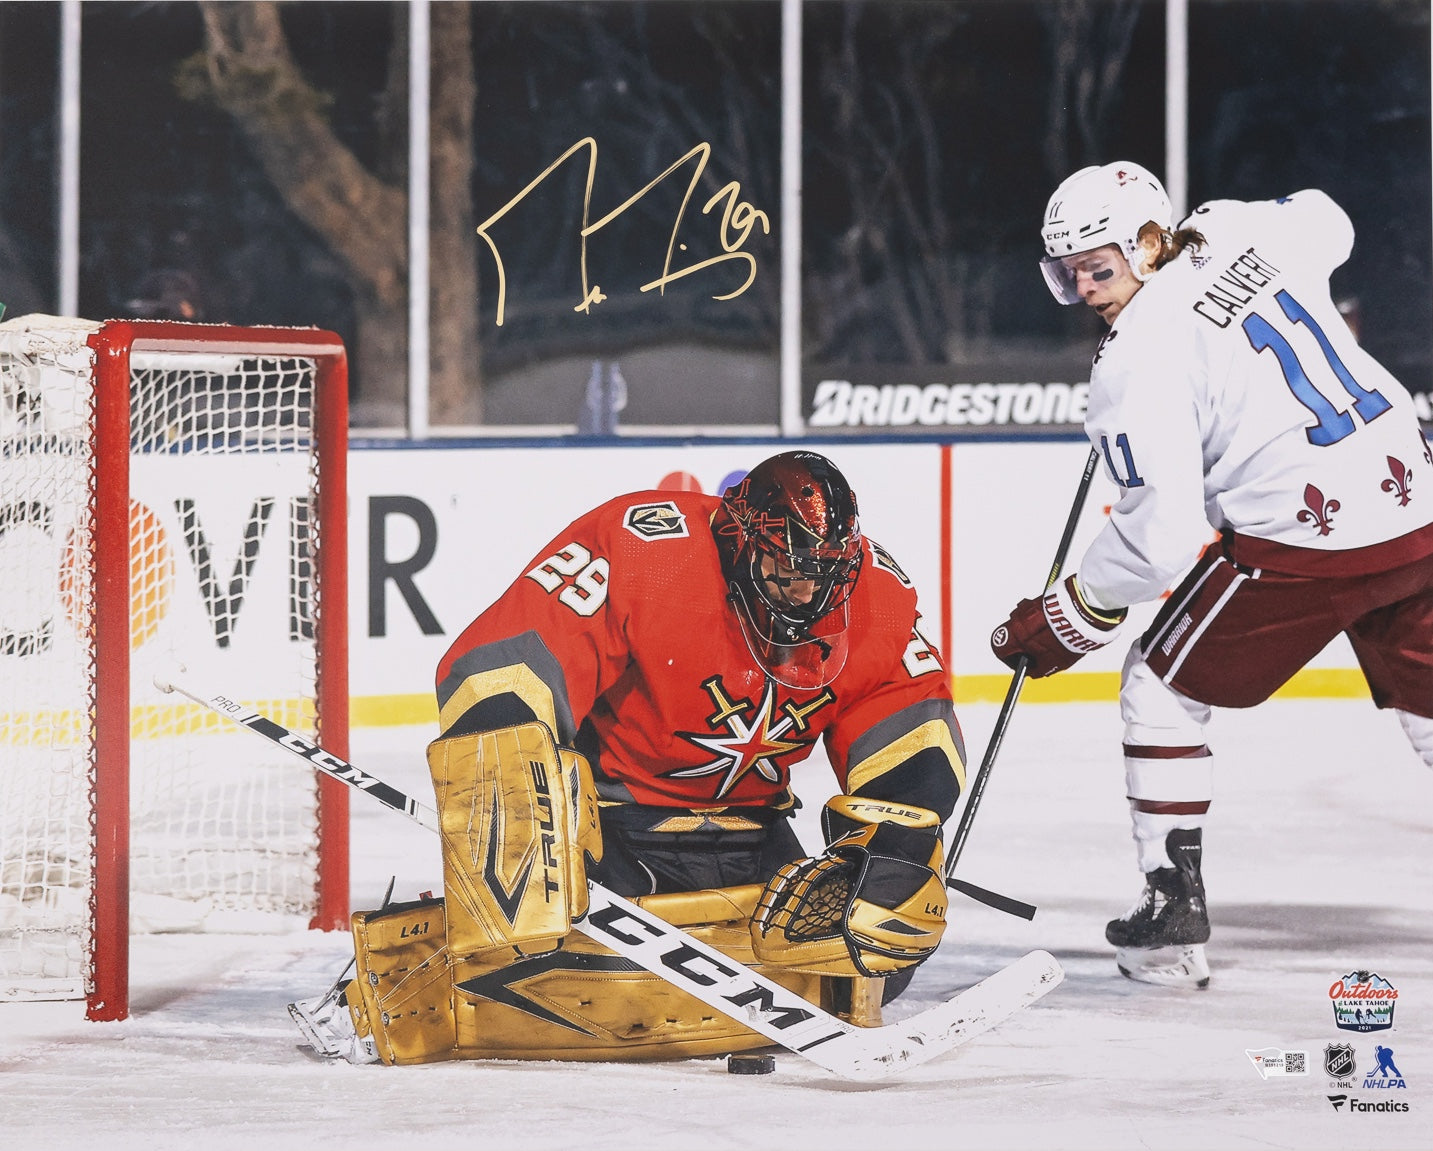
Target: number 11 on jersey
1131,477
1332,425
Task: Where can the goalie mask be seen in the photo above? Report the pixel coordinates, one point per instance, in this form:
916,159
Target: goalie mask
1095,207
790,544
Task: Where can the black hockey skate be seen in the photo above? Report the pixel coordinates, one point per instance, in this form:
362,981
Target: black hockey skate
1161,938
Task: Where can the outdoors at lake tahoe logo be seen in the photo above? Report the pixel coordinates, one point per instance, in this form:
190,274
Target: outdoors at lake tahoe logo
1363,1001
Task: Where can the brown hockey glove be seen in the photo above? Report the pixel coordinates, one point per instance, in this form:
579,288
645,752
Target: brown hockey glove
1054,632
872,904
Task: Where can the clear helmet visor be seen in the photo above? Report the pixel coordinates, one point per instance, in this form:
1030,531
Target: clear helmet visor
805,659
1067,276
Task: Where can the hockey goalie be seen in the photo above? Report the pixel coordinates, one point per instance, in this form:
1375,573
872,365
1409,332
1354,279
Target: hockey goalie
630,710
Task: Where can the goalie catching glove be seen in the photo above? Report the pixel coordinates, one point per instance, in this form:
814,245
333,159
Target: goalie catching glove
1056,631
872,904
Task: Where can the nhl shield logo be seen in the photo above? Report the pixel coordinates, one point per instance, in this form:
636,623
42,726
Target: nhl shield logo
1339,1062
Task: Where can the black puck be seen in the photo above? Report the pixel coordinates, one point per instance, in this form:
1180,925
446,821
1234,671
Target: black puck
747,1064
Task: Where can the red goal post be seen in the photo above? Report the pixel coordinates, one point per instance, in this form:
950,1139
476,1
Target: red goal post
149,472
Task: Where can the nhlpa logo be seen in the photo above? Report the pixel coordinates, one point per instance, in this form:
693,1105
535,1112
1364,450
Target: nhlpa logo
1363,1001
1386,1074
655,521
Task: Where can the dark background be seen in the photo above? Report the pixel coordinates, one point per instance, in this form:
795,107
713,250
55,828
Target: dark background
934,132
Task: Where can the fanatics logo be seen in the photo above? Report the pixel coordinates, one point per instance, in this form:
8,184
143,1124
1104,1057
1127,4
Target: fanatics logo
1273,1062
1358,1106
655,521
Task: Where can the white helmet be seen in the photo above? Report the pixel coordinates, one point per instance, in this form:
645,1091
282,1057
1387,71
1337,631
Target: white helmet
1096,206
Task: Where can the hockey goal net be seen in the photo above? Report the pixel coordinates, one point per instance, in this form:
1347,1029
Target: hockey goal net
171,496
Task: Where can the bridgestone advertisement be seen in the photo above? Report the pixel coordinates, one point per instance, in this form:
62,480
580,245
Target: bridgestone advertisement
955,406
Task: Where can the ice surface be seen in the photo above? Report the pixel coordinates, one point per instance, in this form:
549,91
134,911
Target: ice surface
1317,862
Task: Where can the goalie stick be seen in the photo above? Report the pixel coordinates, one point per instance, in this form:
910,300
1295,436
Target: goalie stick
737,991
1002,721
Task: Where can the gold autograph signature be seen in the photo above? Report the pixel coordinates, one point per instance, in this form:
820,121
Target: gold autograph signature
737,220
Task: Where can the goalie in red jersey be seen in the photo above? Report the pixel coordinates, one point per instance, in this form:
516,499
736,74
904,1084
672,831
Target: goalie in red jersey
631,708
695,649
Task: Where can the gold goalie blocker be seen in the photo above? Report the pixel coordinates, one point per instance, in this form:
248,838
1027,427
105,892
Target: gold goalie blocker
495,970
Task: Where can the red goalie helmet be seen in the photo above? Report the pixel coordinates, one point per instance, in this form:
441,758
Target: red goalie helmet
790,544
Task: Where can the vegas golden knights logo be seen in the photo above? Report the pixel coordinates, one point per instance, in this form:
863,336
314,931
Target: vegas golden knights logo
655,521
753,737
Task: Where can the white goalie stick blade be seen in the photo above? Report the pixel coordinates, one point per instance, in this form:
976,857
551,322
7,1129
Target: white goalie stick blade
861,1053
749,998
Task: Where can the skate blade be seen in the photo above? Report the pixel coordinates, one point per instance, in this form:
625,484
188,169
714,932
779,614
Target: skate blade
317,1036
1179,966
317,1056
329,1040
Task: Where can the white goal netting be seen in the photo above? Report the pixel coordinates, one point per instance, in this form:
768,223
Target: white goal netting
221,534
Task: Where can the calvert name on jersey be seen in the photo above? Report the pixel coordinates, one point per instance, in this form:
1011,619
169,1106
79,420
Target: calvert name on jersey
1230,392
621,627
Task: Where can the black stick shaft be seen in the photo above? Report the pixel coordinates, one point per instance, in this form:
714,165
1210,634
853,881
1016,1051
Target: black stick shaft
1017,681
320,760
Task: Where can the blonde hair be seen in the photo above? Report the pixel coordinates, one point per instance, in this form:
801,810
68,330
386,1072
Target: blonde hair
1163,244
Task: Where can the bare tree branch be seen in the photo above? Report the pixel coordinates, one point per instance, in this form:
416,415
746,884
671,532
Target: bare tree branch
249,71
252,75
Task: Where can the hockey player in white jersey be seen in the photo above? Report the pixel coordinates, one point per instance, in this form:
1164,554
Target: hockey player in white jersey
1228,391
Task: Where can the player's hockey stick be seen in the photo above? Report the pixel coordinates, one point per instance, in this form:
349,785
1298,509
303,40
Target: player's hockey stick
1002,721
782,1016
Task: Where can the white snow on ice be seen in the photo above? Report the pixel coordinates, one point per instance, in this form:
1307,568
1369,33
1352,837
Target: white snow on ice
1317,862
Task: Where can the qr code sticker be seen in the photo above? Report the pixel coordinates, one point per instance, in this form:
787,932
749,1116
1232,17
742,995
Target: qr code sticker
1294,1063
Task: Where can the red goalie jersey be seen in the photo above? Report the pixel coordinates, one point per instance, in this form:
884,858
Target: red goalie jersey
623,637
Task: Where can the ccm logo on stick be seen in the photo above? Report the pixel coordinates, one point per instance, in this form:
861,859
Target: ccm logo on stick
680,957
315,755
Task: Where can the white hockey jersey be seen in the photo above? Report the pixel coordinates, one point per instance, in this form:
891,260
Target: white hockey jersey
1230,393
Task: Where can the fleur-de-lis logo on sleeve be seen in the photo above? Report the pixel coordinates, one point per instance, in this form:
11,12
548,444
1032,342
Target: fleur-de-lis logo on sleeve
1401,483
1427,447
1318,510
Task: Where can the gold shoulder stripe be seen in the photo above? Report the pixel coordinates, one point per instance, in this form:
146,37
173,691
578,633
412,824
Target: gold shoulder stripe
932,733
517,679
